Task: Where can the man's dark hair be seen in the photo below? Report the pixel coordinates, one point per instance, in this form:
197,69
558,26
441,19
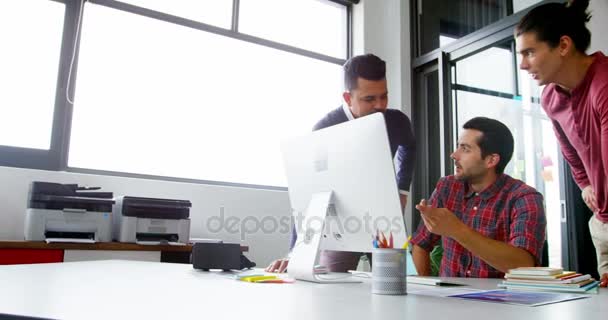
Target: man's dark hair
495,138
367,66
551,21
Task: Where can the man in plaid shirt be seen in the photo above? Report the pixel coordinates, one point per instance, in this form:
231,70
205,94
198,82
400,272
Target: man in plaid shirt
488,222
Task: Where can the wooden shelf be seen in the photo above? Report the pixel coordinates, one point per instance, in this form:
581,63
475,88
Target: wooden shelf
117,246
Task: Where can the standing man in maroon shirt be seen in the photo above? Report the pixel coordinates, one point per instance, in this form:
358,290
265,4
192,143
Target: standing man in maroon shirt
552,40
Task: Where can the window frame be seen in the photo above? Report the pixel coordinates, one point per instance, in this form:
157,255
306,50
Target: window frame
53,158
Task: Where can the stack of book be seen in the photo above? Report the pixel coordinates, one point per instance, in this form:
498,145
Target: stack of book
549,279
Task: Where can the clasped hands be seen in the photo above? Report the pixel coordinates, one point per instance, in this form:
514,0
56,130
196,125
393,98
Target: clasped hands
440,221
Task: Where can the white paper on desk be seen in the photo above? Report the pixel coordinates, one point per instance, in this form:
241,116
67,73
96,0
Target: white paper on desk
49,240
525,298
441,291
432,281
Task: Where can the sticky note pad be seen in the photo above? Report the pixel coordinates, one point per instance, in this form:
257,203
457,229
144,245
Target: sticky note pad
256,279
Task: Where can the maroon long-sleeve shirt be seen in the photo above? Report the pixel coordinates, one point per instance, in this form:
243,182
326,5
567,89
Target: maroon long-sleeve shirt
580,122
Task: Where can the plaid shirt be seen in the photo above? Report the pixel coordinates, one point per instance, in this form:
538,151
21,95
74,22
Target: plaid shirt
509,211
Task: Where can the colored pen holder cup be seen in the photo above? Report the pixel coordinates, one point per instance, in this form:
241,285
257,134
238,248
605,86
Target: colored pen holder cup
389,271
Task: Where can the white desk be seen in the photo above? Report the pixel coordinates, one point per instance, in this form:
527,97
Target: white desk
117,289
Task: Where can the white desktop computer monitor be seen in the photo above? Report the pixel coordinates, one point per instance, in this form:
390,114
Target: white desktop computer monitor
342,187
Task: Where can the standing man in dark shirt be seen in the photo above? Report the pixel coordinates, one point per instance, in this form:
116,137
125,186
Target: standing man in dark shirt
365,93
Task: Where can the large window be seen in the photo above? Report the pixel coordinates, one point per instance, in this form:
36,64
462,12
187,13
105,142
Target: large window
312,24
213,12
202,90
174,101
29,62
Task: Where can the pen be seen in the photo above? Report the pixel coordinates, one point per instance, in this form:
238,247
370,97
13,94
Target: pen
390,240
407,242
377,242
384,243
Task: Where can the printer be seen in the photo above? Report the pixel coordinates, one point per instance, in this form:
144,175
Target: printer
68,213
151,221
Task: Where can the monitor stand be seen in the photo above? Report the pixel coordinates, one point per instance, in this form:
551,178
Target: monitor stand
305,253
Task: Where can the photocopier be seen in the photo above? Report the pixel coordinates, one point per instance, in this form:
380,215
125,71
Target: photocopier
68,213
151,221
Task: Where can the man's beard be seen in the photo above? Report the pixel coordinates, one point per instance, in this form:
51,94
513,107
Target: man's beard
470,177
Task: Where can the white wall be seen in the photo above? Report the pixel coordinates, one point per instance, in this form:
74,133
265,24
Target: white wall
378,29
598,26
242,203
383,28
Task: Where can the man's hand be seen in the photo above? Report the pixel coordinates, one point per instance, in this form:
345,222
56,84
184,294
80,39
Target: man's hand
604,280
588,195
278,266
440,221
422,260
403,198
